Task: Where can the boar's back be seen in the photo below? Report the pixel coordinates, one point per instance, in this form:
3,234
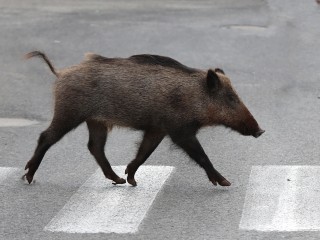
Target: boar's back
162,61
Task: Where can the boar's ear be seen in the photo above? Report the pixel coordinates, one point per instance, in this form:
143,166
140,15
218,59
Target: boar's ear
219,70
213,81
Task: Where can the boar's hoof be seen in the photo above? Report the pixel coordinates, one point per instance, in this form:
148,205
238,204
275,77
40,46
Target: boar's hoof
28,178
119,181
214,182
132,182
224,183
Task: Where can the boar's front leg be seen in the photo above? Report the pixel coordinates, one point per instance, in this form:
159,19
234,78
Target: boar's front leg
150,141
97,141
193,148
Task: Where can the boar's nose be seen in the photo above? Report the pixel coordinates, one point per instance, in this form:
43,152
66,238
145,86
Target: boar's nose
258,133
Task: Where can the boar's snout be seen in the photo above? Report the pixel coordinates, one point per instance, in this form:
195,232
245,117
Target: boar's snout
258,133
250,127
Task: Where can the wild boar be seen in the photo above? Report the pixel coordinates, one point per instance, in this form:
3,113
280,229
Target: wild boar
152,93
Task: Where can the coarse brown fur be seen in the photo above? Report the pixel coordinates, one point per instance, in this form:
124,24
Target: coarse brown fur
152,93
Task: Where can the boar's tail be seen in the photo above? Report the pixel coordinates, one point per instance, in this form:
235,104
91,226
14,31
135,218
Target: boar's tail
44,57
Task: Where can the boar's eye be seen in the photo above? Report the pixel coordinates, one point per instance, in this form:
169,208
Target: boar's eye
232,97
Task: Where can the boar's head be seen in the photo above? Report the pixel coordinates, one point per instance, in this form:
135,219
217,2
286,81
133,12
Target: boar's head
225,106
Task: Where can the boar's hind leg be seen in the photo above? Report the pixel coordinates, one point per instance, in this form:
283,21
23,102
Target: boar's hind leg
193,148
150,141
57,129
97,141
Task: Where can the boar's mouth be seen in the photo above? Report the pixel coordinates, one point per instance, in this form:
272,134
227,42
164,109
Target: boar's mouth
244,130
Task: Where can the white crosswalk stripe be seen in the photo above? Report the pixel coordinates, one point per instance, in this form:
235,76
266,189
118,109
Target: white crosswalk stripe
282,198
98,207
6,172
16,122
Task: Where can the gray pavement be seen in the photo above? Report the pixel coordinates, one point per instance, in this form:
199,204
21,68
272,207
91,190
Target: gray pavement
268,48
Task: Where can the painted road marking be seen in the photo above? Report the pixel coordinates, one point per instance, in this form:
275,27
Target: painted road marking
101,208
6,172
16,122
282,198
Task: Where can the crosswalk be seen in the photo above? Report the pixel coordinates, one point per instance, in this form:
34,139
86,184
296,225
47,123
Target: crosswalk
6,172
282,198
278,199
95,208
100,208
16,122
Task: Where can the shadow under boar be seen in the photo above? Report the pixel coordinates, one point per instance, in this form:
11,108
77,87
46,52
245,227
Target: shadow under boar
155,94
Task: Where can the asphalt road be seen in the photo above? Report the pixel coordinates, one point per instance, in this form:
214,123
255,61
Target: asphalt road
269,49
